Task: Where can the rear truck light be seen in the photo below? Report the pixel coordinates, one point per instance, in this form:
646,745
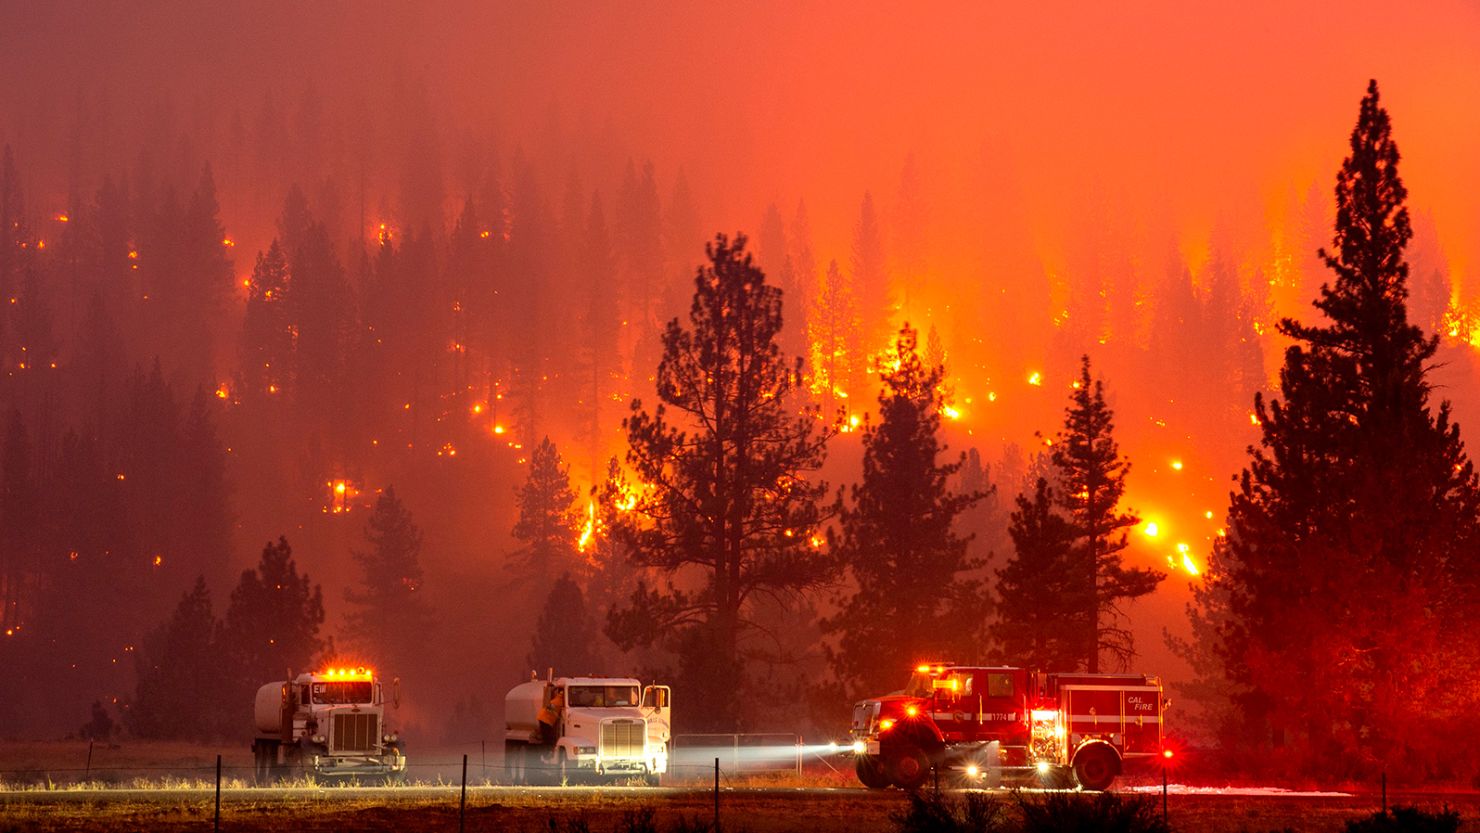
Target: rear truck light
911,711
886,724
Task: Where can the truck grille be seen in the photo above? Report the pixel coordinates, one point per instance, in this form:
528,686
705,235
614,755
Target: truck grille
623,738
355,732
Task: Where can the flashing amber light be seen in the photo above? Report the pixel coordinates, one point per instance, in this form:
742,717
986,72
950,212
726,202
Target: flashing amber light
886,724
360,673
911,711
923,669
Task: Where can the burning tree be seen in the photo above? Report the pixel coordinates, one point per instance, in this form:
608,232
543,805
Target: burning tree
727,511
1350,559
1091,477
898,537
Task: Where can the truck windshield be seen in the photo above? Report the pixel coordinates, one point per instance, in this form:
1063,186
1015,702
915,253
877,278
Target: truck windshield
602,696
343,693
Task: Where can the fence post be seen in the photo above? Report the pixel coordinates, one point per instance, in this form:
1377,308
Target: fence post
484,745
218,793
462,807
716,795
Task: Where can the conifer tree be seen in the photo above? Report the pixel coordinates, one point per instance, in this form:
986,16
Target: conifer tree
388,614
1353,532
267,330
547,519
180,674
565,633
870,276
1091,476
908,564
1043,608
836,352
272,623
727,499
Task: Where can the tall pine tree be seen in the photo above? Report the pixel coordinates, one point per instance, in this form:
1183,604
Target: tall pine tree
547,520
1353,534
728,502
1043,608
909,566
1091,476
388,614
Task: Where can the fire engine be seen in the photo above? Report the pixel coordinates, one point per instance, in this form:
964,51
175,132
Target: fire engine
329,723
979,723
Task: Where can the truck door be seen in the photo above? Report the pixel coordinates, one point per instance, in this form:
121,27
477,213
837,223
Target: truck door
1003,697
657,703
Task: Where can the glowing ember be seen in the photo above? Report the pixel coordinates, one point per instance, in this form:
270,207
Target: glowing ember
1035,378
1151,529
1176,465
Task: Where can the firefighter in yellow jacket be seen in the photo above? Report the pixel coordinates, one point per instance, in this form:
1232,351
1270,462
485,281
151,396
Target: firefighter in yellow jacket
549,718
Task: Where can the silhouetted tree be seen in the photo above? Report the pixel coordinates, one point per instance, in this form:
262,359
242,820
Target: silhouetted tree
1043,607
837,355
389,617
1091,476
725,492
181,675
272,624
267,330
547,520
870,276
912,593
565,633
1353,534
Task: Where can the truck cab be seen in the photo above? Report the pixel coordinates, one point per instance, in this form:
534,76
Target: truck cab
329,723
604,728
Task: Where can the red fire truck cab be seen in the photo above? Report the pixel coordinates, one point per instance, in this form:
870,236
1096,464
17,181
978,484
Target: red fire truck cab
978,724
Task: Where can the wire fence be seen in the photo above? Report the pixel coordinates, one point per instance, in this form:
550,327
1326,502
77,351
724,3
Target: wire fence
741,759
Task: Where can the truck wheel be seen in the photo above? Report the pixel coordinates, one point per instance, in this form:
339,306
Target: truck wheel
1094,768
870,773
908,767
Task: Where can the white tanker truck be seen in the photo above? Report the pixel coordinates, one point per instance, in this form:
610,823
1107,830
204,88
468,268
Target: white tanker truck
330,724
603,728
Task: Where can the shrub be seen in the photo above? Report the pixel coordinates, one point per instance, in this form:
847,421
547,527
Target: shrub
1101,813
935,813
1406,820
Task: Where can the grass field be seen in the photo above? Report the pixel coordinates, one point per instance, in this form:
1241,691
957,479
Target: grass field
170,787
